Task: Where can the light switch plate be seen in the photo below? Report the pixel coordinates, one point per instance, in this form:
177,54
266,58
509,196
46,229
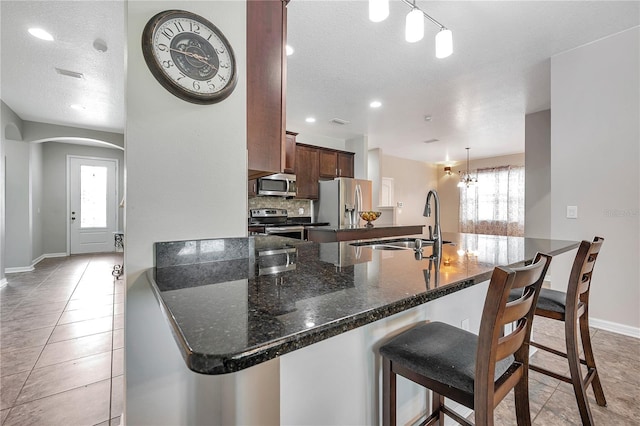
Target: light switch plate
572,212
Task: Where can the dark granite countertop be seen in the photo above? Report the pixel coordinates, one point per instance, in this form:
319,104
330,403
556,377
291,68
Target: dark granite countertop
236,302
363,228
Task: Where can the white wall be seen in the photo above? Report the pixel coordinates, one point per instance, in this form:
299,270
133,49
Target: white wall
186,178
18,232
537,129
35,131
10,128
594,165
373,174
320,140
36,207
360,146
412,181
54,200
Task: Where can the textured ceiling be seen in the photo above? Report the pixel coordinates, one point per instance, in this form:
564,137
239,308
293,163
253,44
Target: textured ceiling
30,84
477,97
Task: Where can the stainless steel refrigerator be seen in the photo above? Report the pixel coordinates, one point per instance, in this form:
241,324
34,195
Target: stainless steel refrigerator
341,199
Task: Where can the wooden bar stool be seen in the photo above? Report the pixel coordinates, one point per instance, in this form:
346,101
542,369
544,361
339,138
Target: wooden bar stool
476,371
573,307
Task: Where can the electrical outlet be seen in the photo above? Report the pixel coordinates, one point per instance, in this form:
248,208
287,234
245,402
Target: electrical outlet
572,212
400,204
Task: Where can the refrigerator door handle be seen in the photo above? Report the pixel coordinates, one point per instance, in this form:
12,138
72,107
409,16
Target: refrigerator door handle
358,201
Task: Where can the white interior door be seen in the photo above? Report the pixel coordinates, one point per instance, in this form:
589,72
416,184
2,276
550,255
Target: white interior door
93,208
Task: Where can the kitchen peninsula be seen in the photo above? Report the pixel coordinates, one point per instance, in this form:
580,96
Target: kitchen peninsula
301,332
328,234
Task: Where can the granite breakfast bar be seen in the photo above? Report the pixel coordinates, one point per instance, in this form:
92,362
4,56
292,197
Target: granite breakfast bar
285,332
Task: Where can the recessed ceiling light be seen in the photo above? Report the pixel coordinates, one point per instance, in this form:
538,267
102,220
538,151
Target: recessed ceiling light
431,140
289,50
310,120
427,118
77,107
41,34
375,104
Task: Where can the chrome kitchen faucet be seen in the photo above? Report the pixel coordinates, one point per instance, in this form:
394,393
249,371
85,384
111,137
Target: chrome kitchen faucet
434,234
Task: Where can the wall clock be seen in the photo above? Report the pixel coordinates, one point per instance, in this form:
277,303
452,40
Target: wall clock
189,56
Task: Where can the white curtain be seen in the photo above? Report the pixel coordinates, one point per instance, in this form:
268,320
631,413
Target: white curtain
495,205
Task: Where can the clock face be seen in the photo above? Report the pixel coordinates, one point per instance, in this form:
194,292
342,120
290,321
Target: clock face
189,56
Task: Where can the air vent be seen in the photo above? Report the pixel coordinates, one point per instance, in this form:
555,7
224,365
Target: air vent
339,121
69,73
432,140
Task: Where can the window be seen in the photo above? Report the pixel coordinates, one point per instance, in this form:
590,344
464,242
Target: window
93,197
495,205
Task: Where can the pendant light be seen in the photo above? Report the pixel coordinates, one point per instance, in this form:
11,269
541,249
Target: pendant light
414,29
444,43
378,10
465,178
414,25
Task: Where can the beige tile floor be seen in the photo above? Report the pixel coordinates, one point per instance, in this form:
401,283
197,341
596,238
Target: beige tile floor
552,402
62,340
61,343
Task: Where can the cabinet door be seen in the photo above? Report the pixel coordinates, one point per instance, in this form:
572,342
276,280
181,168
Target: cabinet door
290,152
252,188
266,65
328,164
345,164
307,162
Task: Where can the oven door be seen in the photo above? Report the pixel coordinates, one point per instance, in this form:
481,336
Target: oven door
296,232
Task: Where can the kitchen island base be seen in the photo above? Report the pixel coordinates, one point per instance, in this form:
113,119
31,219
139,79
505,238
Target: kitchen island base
333,382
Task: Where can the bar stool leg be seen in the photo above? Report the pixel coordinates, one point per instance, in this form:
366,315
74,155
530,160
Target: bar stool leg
573,357
437,401
521,393
388,394
591,361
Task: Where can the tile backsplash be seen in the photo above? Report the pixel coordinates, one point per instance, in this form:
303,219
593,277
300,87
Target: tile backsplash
292,205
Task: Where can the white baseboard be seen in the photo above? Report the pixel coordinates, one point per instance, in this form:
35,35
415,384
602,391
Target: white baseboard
17,269
33,264
615,327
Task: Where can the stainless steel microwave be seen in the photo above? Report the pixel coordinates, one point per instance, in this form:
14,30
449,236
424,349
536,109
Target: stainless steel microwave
279,185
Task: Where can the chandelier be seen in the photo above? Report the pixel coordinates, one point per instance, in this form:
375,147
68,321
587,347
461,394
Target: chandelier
414,29
466,180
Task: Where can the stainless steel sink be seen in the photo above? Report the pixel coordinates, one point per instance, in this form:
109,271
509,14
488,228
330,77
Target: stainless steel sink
396,244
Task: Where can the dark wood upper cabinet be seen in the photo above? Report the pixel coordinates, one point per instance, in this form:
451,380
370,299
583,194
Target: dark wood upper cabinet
328,164
345,164
335,164
307,173
290,152
266,78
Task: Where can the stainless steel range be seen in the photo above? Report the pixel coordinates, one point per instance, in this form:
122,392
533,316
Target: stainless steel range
274,222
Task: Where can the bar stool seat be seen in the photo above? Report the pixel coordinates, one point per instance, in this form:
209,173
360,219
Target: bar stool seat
475,371
444,353
552,300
